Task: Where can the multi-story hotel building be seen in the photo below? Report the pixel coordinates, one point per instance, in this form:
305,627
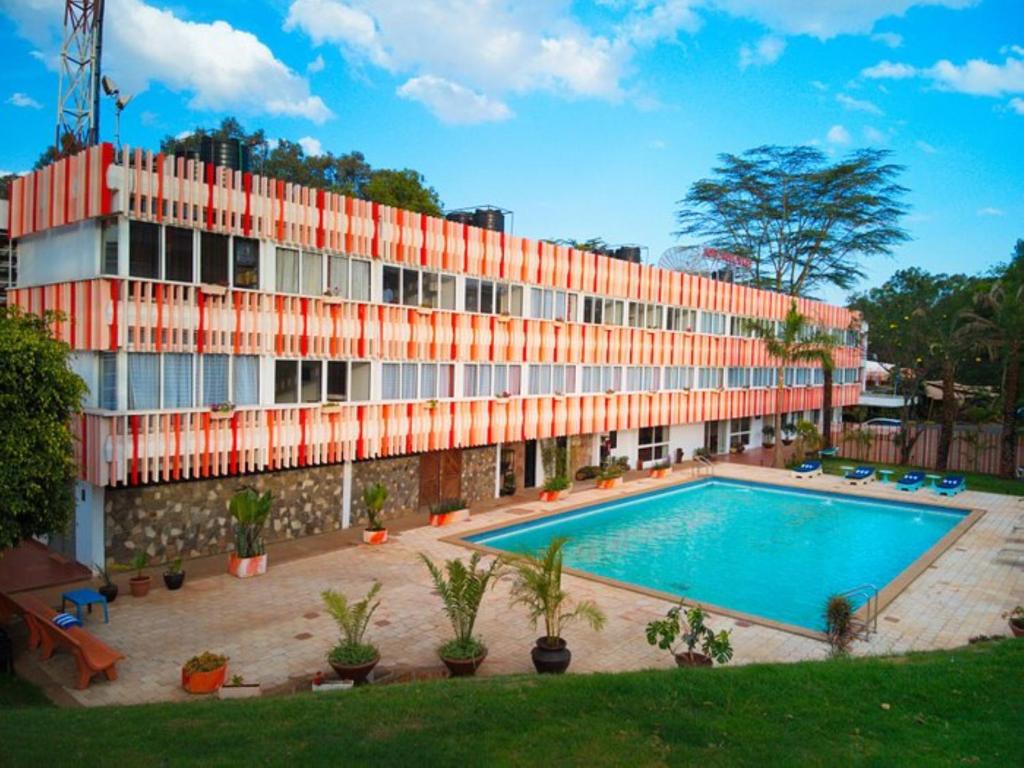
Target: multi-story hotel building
238,329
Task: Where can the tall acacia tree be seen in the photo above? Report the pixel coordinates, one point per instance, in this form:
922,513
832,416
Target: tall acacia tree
39,393
790,341
803,223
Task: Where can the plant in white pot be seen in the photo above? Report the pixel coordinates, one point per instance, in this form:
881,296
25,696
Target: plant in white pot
251,511
374,497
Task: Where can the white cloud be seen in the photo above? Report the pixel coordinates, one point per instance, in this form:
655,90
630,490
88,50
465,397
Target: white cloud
310,146
818,85
657,144
451,102
874,136
1017,105
888,70
766,51
316,65
219,66
19,99
858,105
925,147
976,77
837,134
891,39
990,211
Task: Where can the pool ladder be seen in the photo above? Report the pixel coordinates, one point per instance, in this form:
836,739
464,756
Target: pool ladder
869,594
704,464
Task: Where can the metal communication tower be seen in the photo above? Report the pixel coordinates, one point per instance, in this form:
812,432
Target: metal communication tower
78,95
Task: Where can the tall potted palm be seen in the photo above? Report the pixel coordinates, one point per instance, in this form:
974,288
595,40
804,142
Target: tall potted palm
251,511
461,588
374,497
538,588
352,657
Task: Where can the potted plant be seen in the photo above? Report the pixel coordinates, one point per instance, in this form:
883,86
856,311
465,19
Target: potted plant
839,626
449,511
108,588
660,469
461,588
251,511
788,433
1017,621
555,488
538,588
768,436
588,472
204,673
374,497
237,688
684,627
702,453
174,577
352,658
508,484
610,476
737,445
222,410
139,583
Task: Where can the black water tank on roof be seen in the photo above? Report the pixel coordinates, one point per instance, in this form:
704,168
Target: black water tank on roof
228,153
489,218
461,217
629,253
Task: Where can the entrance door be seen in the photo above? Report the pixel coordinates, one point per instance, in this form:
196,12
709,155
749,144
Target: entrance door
530,464
440,476
711,437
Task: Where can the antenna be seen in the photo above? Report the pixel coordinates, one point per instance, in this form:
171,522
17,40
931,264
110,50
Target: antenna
120,102
78,90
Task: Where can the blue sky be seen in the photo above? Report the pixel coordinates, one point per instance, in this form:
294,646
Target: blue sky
586,119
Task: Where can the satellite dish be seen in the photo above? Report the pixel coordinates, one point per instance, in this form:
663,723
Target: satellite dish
109,86
122,101
709,262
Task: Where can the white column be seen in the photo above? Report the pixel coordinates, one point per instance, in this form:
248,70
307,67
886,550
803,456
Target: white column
346,494
497,470
90,545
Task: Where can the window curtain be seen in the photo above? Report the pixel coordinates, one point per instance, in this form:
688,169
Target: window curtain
143,381
215,379
247,380
287,270
389,386
108,381
177,381
360,280
312,274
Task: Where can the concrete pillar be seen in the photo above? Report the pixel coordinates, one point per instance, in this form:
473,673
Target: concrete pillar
90,544
346,494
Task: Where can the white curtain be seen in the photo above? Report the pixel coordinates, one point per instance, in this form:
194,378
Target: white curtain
177,381
389,386
143,381
312,274
247,380
360,280
215,379
287,270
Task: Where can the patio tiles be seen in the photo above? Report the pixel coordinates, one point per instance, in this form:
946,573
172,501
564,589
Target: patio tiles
259,622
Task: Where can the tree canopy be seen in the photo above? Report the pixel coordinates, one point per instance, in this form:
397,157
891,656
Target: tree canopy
38,395
803,223
347,174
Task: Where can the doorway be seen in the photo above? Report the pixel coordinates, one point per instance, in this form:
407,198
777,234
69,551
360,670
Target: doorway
715,433
440,476
530,464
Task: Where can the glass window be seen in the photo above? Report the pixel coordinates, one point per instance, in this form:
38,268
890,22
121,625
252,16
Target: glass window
177,380
652,444
447,292
215,379
287,270
430,289
428,380
392,285
739,431
246,380
337,276
143,381
472,295
486,296
107,388
312,381
312,273
390,385
109,253
359,381
178,254
509,299
360,280
712,322
213,258
337,382
469,381
247,262
286,381
653,317
613,310
144,249
483,384
410,287
536,302
410,378
445,380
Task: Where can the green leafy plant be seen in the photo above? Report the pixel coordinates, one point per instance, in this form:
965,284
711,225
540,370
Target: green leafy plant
448,505
611,472
462,587
701,453
839,625
174,566
139,562
557,483
768,434
237,680
684,627
588,472
205,662
352,619
251,511
374,497
862,440
538,588
104,573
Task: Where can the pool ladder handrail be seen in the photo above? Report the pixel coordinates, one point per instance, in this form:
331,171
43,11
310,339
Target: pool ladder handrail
869,592
705,463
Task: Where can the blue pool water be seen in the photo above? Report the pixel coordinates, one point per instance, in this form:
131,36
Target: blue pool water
760,549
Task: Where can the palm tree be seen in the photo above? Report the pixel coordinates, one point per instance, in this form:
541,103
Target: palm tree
951,342
823,355
791,341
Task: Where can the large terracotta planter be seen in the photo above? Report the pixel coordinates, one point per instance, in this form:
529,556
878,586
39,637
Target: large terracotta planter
357,673
139,585
203,682
246,567
611,482
554,495
447,518
375,537
659,472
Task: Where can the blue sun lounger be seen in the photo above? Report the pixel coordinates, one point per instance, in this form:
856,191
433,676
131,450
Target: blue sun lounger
951,485
911,481
860,476
810,468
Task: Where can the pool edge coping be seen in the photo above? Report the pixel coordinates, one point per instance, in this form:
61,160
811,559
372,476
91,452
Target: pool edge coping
886,595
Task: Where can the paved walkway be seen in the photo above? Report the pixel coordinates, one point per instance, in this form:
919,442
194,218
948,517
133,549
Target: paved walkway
275,629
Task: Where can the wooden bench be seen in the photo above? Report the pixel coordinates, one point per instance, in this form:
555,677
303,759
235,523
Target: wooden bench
92,655
33,611
8,608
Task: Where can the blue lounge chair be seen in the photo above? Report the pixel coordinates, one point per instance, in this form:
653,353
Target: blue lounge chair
810,468
911,481
860,476
951,485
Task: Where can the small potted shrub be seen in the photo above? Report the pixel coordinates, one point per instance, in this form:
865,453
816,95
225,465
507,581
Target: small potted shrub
840,631
373,498
702,453
788,434
661,469
237,688
461,588
538,588
139,583
768,436
251,511
555,488
587,472
737,445
449,511
1017,621
204,673
174,577
610,477
108,588
352,657
684,627
508,484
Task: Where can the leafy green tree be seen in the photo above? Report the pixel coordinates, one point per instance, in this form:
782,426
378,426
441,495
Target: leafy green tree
790,341
39,394
402,189
593,244
803,223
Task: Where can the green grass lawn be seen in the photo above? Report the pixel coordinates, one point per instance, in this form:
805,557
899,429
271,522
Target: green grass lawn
948,708
975,481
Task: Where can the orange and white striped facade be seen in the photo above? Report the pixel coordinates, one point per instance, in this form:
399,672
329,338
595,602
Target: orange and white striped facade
123,314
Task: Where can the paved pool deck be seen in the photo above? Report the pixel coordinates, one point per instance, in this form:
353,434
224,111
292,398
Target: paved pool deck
277,632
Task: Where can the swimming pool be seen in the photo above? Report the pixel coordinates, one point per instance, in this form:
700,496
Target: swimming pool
757,549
